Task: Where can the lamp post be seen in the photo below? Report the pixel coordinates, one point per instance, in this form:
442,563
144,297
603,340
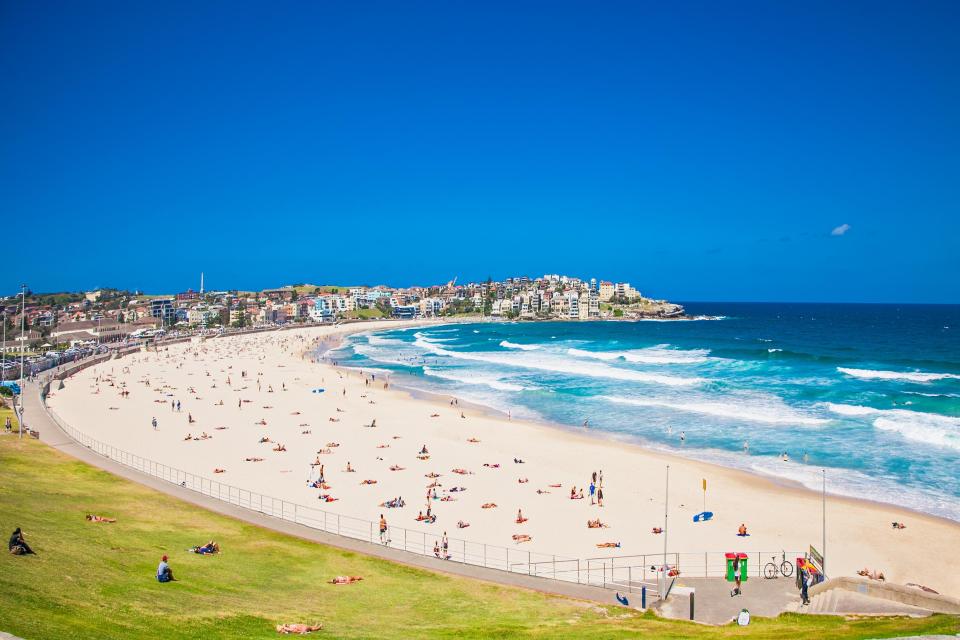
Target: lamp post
3,351
823,542
666,530
23,322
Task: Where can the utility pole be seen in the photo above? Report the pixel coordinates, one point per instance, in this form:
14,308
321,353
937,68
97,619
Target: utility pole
823,550
23,322
666,530
3,351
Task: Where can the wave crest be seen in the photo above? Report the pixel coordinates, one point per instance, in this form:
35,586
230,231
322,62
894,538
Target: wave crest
909,376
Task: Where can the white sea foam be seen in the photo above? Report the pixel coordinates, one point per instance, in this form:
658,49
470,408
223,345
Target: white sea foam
909,376
660,354
380,341
474,378
555,363
380,355
770,410
773,350
513,345
928,428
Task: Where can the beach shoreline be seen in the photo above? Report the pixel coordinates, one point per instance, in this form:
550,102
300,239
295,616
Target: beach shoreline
779,515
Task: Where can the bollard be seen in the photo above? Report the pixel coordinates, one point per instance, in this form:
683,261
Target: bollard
691,604
643,597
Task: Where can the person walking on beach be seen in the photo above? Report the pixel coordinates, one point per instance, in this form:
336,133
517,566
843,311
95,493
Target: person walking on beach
600,496
683,437
804,586
736,577
154,423
600,483
593,490
383,529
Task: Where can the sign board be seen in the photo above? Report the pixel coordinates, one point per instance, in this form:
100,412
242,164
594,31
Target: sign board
817,559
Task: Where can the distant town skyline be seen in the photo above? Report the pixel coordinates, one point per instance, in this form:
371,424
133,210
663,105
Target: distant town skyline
729,152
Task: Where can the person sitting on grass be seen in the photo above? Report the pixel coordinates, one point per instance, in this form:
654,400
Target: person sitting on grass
17,545
346,579
164,572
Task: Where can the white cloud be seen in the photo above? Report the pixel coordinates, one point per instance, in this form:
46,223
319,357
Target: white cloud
839,231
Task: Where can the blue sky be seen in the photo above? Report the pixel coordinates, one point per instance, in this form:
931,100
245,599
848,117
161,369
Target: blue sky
702,151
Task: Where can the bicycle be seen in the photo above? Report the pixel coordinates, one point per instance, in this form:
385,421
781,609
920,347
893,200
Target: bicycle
771,569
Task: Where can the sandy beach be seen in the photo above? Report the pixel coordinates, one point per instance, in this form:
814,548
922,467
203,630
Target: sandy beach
240,390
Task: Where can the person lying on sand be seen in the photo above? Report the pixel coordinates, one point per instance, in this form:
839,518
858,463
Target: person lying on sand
298,627
253,459
280,447
93,518
333,445
462,472
462,525
448,499
324,451
554,486
489,505
219,470
899,525
523,480
491,466
873,575
521,537
262,422
369,482
657,530
541,491
520,518
473,440
294,413
434,415
518,461
221,428
396,467
608,545
333,419
456,489
346,579
383,446
432,474
596,524
326,497
265,439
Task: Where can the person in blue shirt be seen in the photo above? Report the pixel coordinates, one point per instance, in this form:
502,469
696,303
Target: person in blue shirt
164,572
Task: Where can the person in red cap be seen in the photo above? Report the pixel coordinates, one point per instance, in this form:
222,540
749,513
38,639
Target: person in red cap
164,572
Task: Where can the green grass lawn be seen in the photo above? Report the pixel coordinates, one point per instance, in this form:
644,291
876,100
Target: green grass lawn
97,580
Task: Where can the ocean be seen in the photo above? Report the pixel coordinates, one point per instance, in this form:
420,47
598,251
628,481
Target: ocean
871,393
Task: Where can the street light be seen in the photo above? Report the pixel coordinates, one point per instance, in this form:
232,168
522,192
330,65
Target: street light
23,320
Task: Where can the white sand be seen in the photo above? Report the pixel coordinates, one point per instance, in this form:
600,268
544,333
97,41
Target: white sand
778,517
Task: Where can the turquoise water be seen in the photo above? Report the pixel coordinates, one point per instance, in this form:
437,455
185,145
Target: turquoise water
869,392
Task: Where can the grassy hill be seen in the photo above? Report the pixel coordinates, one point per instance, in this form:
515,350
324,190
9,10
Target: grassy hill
96,580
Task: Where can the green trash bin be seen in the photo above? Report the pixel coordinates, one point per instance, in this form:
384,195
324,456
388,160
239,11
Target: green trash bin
732,559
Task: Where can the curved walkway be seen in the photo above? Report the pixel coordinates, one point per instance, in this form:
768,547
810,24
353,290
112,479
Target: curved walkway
52,435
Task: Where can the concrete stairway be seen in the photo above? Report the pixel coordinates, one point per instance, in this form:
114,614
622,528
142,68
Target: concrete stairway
842,602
